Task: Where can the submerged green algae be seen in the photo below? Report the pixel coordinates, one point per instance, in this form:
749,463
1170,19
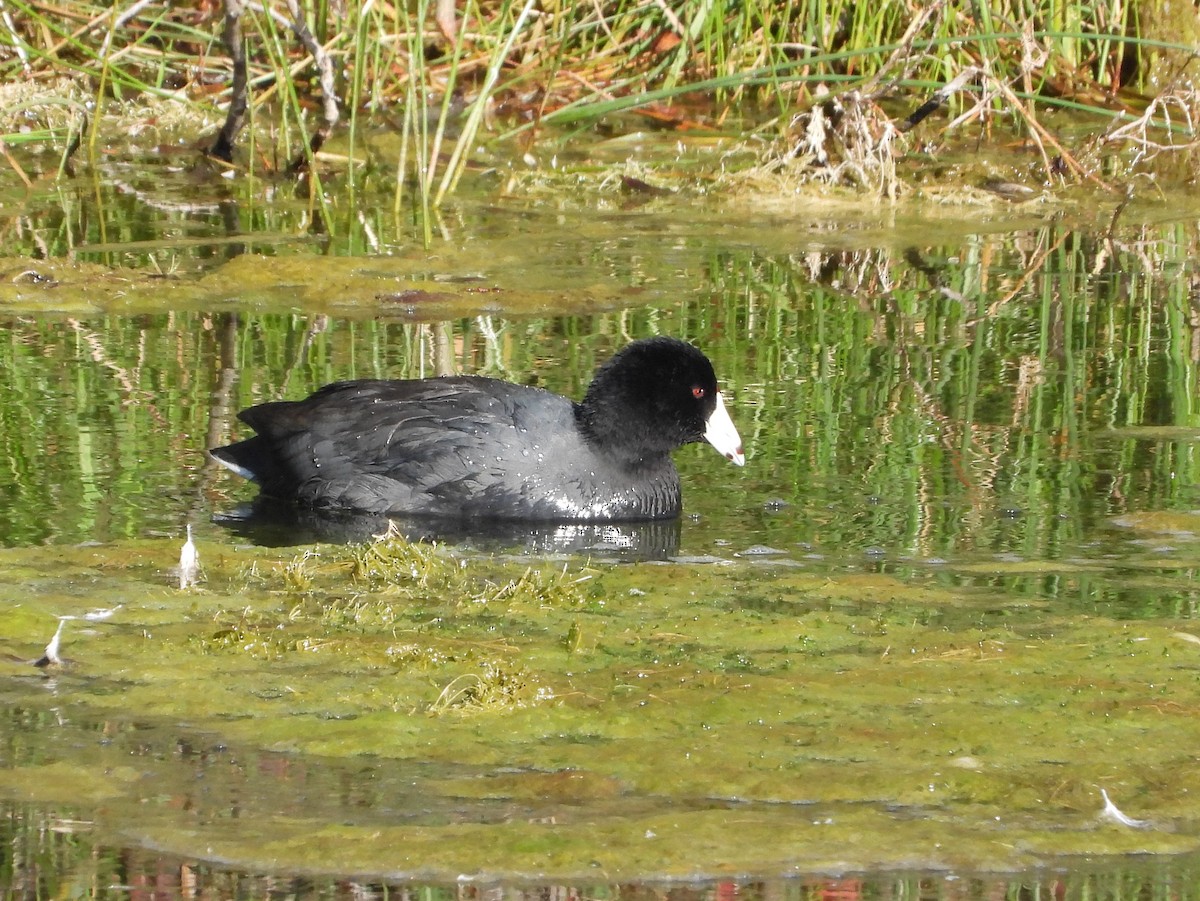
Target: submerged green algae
559,720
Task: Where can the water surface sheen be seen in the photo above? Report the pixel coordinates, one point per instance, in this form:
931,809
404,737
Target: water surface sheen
946,602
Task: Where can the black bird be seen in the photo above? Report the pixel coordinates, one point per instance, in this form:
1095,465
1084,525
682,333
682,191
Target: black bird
478,448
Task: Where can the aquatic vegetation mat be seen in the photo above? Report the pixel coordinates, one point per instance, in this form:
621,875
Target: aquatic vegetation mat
406,710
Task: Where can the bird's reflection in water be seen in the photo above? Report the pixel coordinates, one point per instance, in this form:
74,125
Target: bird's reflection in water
273,523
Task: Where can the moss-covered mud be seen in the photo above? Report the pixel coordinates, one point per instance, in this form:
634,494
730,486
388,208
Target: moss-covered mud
396,710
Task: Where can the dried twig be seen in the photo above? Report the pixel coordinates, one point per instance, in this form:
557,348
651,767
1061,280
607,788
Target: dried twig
222,149
18,45
120,22
446,22
329,95
1137,131
904,49
15,165
1041,137
939,97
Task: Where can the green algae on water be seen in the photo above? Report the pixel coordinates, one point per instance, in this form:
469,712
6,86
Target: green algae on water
691,720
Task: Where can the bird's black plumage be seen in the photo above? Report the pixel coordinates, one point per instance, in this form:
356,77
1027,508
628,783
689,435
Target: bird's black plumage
475,447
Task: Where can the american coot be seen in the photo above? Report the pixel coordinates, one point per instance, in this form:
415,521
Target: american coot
474,447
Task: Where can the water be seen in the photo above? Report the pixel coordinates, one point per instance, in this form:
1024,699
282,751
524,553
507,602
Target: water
998,434
949,597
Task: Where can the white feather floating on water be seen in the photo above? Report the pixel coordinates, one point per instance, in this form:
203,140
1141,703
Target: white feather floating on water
189,562
93,616
50,655
1112,812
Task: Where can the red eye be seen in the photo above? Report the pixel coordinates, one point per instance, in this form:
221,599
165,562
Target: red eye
697,391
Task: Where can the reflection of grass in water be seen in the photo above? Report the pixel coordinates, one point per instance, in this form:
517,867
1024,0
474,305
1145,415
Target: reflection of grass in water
987,391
